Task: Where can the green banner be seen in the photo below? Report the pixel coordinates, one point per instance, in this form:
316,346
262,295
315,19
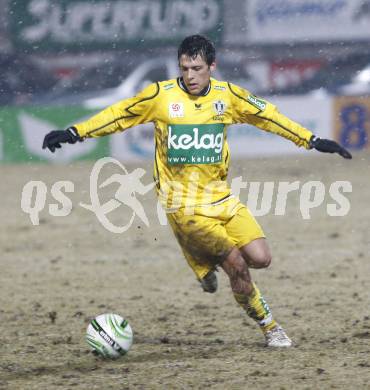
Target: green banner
22,131
89,25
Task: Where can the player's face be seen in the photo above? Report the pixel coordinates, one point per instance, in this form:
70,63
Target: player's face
195,73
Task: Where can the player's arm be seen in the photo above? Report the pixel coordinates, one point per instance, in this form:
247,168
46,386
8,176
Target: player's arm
118,117
248,108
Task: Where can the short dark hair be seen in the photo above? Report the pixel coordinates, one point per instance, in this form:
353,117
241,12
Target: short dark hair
198,45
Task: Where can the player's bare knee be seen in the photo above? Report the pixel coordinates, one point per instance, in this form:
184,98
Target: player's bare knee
265,260
257,254
235,266
239,270
240,281
262,260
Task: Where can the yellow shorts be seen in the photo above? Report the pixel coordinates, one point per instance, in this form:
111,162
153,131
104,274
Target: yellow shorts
209,234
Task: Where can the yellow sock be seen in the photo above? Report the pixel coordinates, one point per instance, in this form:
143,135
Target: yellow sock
257,308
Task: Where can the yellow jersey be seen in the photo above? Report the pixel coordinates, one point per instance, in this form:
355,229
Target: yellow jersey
191,151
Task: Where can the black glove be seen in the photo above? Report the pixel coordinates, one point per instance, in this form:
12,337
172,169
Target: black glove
328,146
55,138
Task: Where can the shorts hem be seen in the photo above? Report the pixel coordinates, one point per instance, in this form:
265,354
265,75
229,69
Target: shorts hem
246,242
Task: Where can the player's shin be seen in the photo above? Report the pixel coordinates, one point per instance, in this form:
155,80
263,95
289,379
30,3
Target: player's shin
256,307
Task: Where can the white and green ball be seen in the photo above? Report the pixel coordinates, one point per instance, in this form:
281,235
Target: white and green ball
109,335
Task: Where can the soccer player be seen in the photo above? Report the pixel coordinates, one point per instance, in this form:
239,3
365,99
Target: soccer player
190,115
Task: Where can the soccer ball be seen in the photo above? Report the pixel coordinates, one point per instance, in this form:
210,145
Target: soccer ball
109,335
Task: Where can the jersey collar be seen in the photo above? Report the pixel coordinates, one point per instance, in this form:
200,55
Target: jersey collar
203,92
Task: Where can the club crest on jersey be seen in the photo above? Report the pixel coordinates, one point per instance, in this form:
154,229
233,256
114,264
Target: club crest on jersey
176,110
219,107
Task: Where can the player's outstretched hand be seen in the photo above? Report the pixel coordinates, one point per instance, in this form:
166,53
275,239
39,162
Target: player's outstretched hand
329,146
55,138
